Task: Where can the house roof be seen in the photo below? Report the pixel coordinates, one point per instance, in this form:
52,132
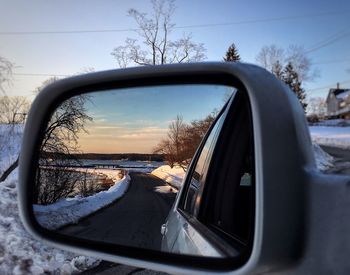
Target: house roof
339,93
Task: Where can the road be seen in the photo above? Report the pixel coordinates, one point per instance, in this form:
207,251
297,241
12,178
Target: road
339,153
134,220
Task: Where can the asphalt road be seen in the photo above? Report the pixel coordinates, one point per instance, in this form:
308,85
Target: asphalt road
338,153
342,160
134,220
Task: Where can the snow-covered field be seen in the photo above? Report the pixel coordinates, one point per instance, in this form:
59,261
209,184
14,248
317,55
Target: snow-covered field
71,210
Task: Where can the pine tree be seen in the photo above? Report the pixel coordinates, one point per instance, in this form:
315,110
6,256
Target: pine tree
277,70
291,78
232,54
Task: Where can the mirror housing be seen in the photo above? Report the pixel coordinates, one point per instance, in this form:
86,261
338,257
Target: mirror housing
283,161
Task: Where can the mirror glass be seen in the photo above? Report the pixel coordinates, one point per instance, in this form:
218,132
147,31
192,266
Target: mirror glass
112,162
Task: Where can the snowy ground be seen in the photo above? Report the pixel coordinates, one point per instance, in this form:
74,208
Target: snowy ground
10,140
71,210
324,161
333,122
173,176
21,254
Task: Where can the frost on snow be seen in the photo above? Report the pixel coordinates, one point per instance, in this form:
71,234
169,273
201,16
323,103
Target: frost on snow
71,210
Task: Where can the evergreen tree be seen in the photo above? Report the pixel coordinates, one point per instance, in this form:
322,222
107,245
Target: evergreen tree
277,70
232,54
291,78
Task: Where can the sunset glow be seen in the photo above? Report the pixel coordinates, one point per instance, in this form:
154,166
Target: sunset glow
135,120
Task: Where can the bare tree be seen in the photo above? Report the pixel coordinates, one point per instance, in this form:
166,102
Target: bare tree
156,47
183,140
317,106
61,133
13,110
269,56
57,150
5,73
172,146
274,59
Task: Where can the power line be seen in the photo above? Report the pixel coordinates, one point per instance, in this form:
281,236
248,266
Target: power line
329,40
253,21
331,61
329,86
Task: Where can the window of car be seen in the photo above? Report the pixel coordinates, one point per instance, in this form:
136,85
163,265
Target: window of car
229,205
198,175
220,190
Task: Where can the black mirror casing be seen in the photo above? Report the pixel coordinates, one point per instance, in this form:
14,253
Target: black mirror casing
284,162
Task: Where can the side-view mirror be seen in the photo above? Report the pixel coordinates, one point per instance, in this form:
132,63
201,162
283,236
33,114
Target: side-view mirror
179,168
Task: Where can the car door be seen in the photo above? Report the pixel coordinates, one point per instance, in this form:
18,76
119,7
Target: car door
215,210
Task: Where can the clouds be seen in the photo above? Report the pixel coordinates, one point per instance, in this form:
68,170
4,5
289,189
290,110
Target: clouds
126,137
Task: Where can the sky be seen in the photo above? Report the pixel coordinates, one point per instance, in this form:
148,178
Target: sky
33,35
249,24
134,120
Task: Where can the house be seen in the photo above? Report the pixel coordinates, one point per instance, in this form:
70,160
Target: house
338,103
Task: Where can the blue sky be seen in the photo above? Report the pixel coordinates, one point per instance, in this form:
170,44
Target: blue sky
134,120
304,23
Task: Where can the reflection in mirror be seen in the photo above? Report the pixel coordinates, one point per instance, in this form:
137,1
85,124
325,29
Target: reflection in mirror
111,162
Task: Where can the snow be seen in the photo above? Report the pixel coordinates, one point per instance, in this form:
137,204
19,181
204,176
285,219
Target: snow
165,189
332,122
323,160
71,210
345,94
174,176
10,140
20,253
331,136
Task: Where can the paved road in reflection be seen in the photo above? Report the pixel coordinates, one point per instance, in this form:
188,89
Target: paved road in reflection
134,220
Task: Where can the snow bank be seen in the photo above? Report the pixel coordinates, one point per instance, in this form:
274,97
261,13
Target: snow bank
333,122
71,210
331,136
19,252
323,160
10,141
174,176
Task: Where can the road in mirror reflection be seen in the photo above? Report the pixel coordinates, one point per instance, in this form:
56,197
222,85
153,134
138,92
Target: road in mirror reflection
111,162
